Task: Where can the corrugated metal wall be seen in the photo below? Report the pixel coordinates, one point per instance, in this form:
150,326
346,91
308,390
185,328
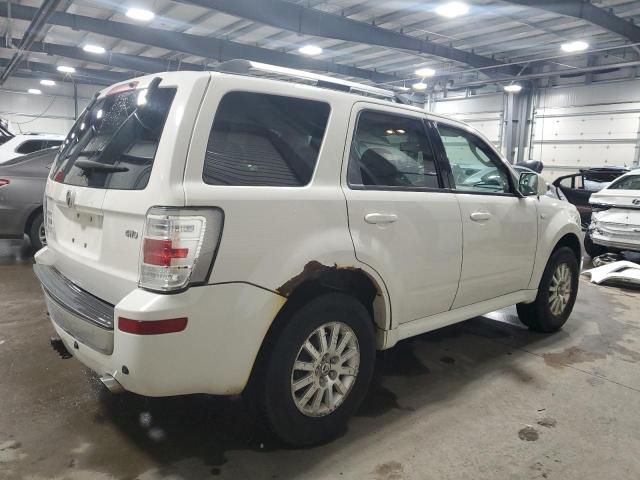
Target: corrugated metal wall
484,112
571,127
586,126
41,113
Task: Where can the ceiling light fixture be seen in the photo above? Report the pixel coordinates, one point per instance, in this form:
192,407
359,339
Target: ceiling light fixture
94,49
453,9
66,69
420,86
34,91
514,88
140,14
47,83
425,72
577,46
311,50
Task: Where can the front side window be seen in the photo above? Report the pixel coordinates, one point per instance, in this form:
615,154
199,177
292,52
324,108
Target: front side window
30,146
391,151
113,144
627,183
264,140
475,167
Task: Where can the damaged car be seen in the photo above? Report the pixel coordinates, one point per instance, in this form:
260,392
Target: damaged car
577,188
615,225
229,233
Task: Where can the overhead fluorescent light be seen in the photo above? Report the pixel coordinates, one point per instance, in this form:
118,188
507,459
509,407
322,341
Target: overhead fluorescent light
425,72
452,9
514,88
34,91
311,50
577,46
47,83
140,14
66,69
94,49
420,86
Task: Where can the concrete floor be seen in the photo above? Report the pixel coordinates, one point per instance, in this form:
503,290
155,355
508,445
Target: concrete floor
485,399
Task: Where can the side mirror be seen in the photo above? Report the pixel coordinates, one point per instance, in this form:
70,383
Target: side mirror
530,184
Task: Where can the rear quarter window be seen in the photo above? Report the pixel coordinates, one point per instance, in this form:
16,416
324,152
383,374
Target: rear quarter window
30,146
264,140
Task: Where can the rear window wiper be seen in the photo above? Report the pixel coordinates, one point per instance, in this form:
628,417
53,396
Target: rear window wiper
102,167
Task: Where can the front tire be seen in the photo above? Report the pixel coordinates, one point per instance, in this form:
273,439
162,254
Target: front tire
318,370
556,294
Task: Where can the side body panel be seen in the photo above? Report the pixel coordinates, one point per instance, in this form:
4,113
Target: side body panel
275,236
420,254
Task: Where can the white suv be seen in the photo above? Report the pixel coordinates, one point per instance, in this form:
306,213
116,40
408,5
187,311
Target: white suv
27,143
227,233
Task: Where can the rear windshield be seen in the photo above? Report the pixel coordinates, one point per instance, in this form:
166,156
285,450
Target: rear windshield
627,183
114,143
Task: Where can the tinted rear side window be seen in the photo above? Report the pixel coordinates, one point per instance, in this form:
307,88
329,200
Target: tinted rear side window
264,140
31,146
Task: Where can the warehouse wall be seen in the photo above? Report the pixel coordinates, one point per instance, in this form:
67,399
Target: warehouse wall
586,126
567,127
484,112
51,112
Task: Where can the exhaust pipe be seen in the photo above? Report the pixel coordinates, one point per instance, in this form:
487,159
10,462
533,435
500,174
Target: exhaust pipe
112,384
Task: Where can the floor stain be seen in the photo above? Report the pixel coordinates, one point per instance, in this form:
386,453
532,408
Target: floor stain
448,360
571,356
547,422
389,471
528,434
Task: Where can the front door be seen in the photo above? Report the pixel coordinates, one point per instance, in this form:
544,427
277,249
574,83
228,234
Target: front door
500,229
403,223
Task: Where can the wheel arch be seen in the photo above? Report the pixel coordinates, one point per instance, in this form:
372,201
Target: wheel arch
315,280
29,222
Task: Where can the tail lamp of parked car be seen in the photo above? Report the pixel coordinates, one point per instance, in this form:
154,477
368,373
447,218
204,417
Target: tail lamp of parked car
4,181
178,247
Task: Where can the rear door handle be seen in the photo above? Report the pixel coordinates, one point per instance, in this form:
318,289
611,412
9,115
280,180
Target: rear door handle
480,216
380,218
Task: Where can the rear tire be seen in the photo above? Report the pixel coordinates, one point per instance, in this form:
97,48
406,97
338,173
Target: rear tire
312,403
36,232
556,294
592,249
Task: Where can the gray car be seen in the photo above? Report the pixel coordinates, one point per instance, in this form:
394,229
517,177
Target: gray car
22,182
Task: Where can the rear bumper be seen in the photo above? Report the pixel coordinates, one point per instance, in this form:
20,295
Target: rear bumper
611,242
214,354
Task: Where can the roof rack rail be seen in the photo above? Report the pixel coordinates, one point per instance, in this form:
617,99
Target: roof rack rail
248,67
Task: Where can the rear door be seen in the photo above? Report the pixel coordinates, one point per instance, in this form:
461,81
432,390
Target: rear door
500,229
124,155
403,222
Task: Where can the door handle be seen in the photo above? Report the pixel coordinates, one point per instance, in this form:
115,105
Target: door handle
480,216
380,218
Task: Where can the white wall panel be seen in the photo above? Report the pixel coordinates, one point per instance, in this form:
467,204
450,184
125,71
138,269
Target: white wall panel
587,126
485,113
51,112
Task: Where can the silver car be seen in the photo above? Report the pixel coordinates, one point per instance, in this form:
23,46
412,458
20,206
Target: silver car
22,182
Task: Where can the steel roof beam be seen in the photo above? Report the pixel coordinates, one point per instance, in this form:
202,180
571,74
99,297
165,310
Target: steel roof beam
310,21
588,12
81,75
134,63
213,48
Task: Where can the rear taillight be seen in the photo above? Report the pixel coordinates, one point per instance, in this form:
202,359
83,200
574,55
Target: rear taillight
179,247
4,181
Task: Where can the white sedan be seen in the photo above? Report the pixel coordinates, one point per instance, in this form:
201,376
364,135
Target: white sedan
615,223
28,143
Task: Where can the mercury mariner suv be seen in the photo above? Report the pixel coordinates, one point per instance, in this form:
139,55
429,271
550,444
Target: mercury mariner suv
264,231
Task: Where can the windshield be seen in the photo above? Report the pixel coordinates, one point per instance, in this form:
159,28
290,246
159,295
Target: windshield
627,183
114,142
